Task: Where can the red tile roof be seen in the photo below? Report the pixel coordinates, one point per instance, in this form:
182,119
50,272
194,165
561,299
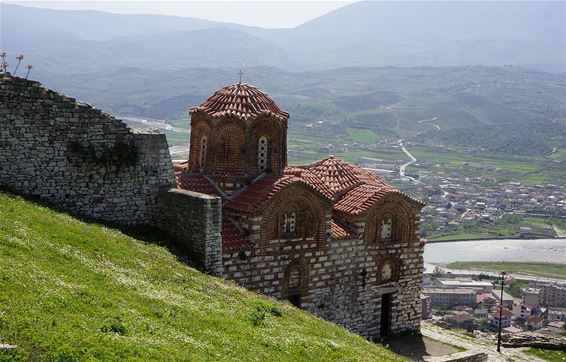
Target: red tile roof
241,100
233,239
482,297
340,230
181,166
340,176
354,189
505,314
195,182
260,192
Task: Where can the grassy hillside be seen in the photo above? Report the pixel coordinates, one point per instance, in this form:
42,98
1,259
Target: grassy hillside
70,290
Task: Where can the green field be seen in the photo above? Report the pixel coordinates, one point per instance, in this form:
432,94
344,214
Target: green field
77,291
362,135
530,170
547,270
506,227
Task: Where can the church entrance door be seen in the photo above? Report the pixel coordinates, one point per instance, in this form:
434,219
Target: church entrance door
385,325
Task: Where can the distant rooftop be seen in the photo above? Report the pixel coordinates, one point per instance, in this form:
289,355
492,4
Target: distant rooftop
448,291
450,283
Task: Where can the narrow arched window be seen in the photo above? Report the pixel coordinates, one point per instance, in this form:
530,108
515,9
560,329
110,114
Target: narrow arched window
290,222
202,155
262,154
386,227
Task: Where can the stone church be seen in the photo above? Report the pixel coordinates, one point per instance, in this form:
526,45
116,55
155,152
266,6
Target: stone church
329,237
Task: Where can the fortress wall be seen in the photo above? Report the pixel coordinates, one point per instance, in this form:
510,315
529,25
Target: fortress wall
195,220
77,157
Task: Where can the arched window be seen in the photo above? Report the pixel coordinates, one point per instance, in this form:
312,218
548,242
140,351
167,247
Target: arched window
386,272
290,222
294,278
202,155
386,227
262,154
229,149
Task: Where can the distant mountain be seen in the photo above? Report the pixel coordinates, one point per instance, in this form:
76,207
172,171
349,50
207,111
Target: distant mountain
86,41
415,33
390,100
96,25
367,33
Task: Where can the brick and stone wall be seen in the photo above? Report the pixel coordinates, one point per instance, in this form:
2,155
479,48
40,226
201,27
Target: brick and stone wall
195,220
77,157
338,280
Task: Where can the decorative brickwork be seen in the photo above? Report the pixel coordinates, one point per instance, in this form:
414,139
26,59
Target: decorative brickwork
78,157
329,237
245,134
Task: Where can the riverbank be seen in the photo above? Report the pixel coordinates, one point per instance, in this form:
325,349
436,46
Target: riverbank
433,241
497,250
545,270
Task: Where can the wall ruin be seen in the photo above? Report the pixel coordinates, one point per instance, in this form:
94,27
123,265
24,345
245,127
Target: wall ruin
78,157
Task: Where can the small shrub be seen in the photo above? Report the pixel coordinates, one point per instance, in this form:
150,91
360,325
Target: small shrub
258,318
276,311
117,327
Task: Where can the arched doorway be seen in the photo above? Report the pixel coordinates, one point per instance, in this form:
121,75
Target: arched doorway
295,284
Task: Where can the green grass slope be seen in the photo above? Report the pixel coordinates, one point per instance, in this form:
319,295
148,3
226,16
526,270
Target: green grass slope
70,290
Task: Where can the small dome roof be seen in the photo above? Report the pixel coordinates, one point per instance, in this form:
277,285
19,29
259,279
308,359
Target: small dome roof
241,100
341,176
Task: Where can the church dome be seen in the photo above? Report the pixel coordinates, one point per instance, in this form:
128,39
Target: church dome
241,100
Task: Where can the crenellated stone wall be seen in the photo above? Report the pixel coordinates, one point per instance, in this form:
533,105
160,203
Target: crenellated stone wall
78,157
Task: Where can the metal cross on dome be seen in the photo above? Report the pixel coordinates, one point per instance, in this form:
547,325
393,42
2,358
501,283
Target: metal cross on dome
240,73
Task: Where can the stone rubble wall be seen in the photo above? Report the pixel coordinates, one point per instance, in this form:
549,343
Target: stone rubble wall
195,220
77,157
467,356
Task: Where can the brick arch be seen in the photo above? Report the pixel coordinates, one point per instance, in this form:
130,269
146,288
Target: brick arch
295,280
394,207
301,198
199,128
229,149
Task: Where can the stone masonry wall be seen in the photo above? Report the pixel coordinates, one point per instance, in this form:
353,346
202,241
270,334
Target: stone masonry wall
78,157
195,220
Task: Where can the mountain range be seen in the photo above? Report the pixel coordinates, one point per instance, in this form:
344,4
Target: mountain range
366,33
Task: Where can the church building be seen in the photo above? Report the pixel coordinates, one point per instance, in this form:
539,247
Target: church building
329,237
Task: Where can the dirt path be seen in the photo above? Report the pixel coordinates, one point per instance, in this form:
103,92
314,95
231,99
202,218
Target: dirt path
476,344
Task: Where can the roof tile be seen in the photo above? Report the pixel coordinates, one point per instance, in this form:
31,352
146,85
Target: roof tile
241,100
233,239
195,182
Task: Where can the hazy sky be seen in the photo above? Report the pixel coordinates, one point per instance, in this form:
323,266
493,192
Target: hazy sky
265,13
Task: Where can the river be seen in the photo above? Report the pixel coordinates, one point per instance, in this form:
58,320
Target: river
524,250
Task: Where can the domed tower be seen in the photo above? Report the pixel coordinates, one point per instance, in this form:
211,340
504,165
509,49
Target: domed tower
238,134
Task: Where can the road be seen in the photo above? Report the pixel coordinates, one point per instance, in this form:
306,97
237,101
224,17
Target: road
404,166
